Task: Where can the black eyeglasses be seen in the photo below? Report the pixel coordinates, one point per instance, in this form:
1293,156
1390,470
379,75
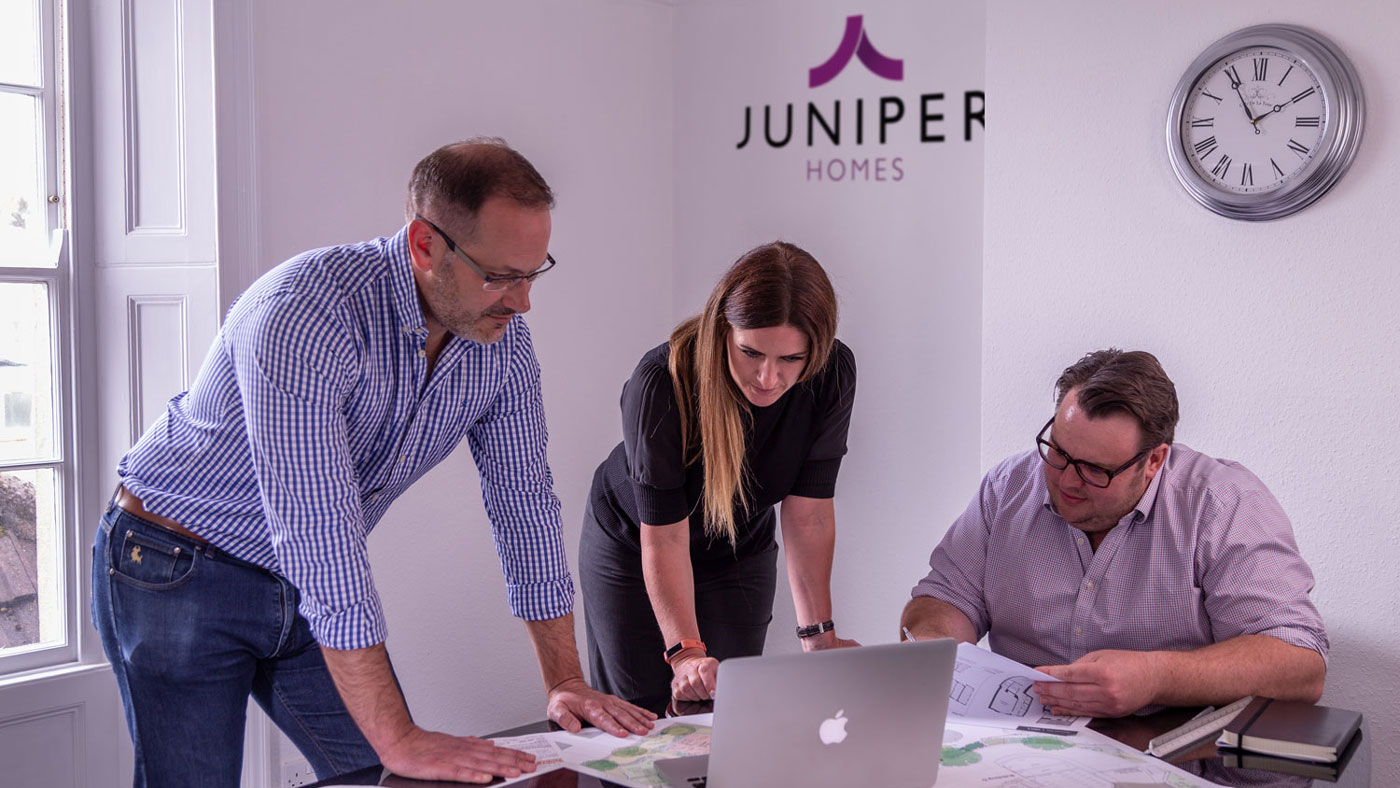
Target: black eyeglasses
490,282
1094,475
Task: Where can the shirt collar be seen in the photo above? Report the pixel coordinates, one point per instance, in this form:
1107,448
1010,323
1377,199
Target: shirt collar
1149,497
402,286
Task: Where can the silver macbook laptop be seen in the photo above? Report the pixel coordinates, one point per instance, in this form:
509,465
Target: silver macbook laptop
829,719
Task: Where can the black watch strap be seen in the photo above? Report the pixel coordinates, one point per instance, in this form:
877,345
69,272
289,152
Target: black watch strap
812,630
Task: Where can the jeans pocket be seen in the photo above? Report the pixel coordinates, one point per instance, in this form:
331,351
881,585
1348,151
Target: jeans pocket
144,561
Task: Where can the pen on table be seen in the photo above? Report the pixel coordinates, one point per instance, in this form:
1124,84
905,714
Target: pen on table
908,635
1056,731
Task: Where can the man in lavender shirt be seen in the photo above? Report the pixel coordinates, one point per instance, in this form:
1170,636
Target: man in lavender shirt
1138,571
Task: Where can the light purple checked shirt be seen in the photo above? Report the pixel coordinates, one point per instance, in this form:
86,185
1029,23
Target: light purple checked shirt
1206,555
315,410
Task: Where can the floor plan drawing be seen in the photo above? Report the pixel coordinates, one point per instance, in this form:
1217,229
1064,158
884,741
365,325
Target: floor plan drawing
1013,697
996,690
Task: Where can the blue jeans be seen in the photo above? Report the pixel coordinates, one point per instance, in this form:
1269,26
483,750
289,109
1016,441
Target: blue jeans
191,633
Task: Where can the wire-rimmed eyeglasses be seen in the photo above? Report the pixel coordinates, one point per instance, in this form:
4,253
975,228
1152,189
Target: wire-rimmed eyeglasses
489,281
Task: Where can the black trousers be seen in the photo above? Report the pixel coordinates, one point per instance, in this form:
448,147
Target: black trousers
733,606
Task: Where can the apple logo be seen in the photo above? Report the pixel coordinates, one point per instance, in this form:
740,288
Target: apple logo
833,731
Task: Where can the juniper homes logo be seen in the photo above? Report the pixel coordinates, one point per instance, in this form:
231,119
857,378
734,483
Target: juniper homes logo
855,43
841,149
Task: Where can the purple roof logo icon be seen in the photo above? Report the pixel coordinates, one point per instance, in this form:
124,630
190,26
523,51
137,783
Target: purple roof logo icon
855,43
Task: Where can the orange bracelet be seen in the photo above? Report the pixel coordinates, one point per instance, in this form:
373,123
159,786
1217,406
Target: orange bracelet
682,646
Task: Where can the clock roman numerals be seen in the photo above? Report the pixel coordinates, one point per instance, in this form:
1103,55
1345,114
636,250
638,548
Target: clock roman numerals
1221,167
1229,150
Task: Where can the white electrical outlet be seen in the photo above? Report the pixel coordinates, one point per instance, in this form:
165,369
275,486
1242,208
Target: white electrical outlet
296,773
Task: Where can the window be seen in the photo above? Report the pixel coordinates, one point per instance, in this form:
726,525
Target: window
36,615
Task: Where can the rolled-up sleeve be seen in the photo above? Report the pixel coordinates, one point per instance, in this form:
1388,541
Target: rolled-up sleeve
509,444
958,565
817,477
1254,578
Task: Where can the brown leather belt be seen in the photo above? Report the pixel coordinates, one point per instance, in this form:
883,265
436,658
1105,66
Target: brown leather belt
132,505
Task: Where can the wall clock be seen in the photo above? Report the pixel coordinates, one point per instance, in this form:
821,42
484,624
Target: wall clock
1264,122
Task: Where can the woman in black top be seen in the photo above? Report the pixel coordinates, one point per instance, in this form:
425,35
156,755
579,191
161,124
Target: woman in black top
678,565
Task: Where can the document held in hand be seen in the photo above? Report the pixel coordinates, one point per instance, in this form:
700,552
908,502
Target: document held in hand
1292,730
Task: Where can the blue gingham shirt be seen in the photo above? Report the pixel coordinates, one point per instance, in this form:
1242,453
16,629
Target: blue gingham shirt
314,410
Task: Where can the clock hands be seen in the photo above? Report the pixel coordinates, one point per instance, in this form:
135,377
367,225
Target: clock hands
1263,115
1235,83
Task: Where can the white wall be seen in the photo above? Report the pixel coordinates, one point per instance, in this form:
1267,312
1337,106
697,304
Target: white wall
1280,336
618,120
904,255
1274,333
346,102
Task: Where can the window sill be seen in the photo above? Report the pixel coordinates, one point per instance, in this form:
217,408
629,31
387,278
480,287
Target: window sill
53,672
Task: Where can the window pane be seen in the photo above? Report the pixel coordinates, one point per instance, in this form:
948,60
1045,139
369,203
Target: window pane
19,42
31,603
23,215
26,372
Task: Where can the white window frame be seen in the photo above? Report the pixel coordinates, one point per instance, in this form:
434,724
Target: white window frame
53,95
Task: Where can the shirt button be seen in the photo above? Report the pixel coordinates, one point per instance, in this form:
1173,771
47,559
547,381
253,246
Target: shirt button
422,353
1080,540
1088,585
1078,631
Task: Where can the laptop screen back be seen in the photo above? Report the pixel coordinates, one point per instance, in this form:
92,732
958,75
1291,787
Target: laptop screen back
846,717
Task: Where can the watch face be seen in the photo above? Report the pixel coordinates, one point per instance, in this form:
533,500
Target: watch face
1254,121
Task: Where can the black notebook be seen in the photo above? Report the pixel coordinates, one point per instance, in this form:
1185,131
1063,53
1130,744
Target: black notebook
1292,730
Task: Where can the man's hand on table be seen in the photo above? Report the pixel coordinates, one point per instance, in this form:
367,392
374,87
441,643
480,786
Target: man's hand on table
573,702
1107,683
428,755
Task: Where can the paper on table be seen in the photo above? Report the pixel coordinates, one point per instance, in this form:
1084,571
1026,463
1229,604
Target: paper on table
623,760
991,689
986,756
540,745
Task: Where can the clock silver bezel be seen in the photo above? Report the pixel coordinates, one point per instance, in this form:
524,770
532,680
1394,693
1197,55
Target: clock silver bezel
1346,114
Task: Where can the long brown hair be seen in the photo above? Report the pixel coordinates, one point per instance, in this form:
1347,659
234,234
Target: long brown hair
777,284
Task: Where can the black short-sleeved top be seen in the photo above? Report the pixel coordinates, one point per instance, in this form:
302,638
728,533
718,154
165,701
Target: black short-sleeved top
792,447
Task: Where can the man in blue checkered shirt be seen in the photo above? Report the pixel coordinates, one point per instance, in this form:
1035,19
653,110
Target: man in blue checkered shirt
232,560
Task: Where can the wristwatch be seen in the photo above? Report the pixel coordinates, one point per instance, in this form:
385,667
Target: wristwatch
812,630
684,644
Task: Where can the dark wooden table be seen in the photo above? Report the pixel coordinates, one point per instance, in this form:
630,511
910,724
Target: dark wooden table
1203,760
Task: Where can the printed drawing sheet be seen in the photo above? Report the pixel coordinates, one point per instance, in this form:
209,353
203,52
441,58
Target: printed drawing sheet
628,761
986,757
989,689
